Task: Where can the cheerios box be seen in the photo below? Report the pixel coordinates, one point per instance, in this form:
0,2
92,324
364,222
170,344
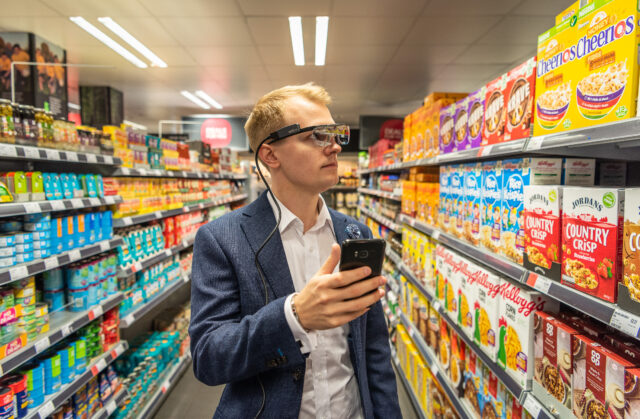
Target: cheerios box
456,190
592,240
520,89
468,273
495,115
490,210
447,131
516,175
475,117
516,329
460,125
543,230
473,202
486,312
631,246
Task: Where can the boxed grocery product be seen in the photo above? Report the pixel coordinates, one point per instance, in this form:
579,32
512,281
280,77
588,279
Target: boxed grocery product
445,198
517,308
473,380
456,367
568,12
623,346
613,173
543,230
490,211
406,138
456,189
521,83
495,115
442,97
445,260
486,309
473,202
433,329
600,380
493,405
418,128
513,408
591,240
545,171
460,125
447,132
468,274
475,119
452,287
515,176
630,287
632,393
578,172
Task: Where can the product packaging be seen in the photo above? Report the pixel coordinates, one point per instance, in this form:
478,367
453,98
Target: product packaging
486,309
447,131
473,202
543,230
495,115
578,172
629,288
521,82
490,211
515,176
460,125
475,119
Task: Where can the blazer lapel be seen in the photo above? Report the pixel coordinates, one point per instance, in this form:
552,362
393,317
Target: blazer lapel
339,225
259,221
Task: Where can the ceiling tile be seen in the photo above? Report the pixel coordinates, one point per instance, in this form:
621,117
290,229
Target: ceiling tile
290,74
490,54
174,56
27,8
97,8
363,55
455,85
275,31
208,31
408,81
147,30
468,8
365,74
517,30
285,7
542,8
382,8
225,56
427,54
199,8
449,30
470,72
276,55
59,30
368,31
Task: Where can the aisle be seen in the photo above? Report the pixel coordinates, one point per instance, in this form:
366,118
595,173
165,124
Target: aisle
194,400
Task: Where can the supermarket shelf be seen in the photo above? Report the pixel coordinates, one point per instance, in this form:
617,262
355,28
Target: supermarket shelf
140,312
393,256
113,403
407,386
94,368
155,258
171,377
14,151
125,171
21,208
383,194
26,270
396,167
382,220
158,215
61,325
340,188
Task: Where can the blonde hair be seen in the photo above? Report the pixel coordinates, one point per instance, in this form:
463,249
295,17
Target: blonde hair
267,115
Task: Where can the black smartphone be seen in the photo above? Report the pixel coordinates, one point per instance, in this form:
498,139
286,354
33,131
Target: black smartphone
356,253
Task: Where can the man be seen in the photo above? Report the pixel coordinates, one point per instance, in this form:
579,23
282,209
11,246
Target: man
317,345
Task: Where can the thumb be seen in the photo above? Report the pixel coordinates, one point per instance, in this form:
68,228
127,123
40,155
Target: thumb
331,262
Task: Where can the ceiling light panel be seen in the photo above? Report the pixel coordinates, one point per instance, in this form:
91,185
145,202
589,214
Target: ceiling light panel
102,37
131,40
195,99
202,95
322,31
295,27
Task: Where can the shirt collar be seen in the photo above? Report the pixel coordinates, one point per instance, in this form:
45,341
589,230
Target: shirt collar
288,217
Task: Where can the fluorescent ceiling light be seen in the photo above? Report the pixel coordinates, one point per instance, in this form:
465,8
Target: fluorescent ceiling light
202,95
295,26
322,31
97,33
131,40
195,100
134,125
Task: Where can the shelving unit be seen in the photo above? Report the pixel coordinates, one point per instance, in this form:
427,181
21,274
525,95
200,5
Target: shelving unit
407,386
125,171
170,378
382,194
382,220
110,406
22,208
15,151
155,258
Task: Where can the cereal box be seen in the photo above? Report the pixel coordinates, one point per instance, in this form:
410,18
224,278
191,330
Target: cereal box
444,269
543,230
554,356
493,404
447,132
444,351
430,134
456,369
613,173
473,202
545,171
600,378
515,176
591,240
632,393
453,288
443,97
419,127
456,190
631,243
468,273
568,12
517,308
473,380
475,119
490,210
579,172
460,125
486,309
521,82
495,115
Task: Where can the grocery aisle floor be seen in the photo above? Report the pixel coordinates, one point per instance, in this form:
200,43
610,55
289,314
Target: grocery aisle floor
194,400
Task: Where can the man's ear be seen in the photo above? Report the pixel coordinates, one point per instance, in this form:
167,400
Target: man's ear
268,156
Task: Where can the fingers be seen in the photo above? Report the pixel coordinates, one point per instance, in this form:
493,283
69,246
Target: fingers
360,303
345,278
360,288
347,317
330,264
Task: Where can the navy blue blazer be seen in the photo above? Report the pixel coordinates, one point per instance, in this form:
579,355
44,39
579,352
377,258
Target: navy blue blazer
236,338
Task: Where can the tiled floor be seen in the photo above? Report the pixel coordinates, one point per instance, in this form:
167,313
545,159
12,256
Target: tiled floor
194,400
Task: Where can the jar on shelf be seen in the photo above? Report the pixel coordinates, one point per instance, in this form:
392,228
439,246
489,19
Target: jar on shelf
7,129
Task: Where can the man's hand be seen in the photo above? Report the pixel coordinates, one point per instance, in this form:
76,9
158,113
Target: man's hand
332,299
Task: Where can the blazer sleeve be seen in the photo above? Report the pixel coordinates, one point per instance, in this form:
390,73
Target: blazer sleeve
380,374
225,345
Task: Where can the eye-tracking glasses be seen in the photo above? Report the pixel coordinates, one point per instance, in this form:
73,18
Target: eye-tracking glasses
322,135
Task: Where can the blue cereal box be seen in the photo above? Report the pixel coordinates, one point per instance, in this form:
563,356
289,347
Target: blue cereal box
456,182
445,199
516,175
490,210
473,202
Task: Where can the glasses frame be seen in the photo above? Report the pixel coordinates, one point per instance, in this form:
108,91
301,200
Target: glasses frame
295,129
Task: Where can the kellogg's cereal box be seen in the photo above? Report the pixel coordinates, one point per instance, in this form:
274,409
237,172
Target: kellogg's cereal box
468,273
461,120
517,308
631,243
456,190
521,83
475,118
445,199
613,173
473,202
486,309
516,175
490,211
543,230
444,269
591,240
447,131
453,288
545,171
579,172
495,115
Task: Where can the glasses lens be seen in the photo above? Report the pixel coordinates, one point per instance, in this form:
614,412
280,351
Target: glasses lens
324,135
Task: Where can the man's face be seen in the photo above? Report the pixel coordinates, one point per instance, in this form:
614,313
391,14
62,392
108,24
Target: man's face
303,163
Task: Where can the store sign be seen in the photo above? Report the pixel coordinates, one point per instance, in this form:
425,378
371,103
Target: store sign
391,129
216,132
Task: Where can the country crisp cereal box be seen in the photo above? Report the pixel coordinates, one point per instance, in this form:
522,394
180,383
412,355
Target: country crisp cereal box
554,80
542,229
473,202
495,115
521,83
490,213
516,331
460,125
456,189
486,309
445,199
631,243
475,118
516,175
592,240
467,294
447,132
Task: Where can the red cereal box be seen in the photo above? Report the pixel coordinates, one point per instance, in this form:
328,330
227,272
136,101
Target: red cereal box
592,240
495,115
542,230
521,84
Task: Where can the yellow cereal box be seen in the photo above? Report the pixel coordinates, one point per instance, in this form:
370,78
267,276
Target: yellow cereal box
449,97
570,11
406,138
418,127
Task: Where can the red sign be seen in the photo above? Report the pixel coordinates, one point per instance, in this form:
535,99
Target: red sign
216,132
392,129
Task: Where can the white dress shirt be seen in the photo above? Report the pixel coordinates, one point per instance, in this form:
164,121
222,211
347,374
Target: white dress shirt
330,387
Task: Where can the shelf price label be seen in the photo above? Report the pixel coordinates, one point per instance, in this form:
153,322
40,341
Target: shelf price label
110,407
57,205
42,345
625,322
31,153
436,235
47,409
540,283
532,405
18,273
535,143
91,158
434,369
51,263
31,207
96,312
485,151
66,330
129,319
52,154
7,150
75,254
99,366
104,246
72,156
77,203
